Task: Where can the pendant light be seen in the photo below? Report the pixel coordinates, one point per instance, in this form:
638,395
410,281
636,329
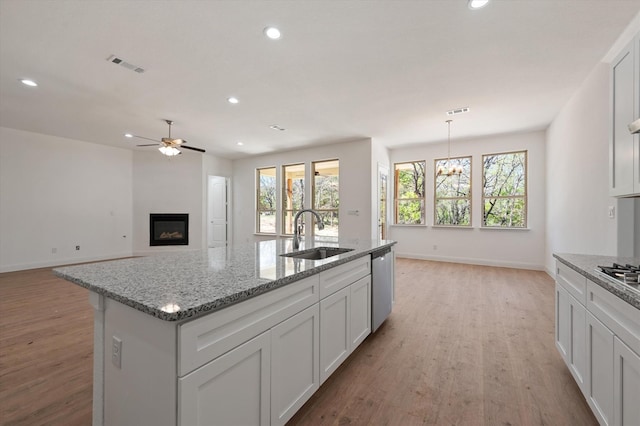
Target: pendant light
449,169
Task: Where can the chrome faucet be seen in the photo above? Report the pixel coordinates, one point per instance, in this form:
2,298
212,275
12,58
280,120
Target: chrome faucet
296,230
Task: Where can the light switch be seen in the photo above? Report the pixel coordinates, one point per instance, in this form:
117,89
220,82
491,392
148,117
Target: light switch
612,212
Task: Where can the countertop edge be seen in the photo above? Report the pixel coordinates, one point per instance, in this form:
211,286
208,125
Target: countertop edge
617,289
224,302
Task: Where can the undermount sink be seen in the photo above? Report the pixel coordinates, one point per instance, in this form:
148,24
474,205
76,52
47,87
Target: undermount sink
317,253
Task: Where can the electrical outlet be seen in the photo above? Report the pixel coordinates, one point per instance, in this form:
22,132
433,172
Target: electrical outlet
116,352
612,212
77,247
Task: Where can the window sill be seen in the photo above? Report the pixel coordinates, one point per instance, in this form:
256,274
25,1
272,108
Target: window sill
451,227
402,225
490,228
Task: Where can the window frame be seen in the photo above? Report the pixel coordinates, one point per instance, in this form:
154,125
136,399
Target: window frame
524,197
468,197
336,210
422,200
258,210
283,209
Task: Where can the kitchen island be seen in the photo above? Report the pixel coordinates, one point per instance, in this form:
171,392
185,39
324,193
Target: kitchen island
231,335
598,335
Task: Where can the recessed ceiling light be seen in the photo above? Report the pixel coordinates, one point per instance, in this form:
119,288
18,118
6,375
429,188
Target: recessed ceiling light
477,4
239,143
28,82
128,135
233,100
276,127
272,32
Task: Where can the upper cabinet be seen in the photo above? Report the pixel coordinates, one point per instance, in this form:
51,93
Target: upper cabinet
624,150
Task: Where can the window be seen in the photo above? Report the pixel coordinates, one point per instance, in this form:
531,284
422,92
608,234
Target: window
409,193
452,206
326,196
266,200
504,190
292,195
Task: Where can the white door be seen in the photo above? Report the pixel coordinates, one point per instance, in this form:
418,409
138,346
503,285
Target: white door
217,211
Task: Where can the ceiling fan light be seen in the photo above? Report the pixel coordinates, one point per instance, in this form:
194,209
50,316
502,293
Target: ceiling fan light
169,151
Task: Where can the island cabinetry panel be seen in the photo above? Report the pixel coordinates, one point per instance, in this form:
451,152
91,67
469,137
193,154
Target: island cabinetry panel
341,276
206,338
624,149
295,363
334,331
231,390
345,321
360,311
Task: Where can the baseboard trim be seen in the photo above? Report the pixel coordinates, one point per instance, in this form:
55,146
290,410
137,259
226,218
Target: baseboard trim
61,262
474,261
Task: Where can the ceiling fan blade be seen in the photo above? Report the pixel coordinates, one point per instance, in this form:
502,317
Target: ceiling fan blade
142,137
192,148
149,144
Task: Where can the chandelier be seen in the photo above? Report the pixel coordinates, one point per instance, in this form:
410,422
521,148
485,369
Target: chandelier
449,169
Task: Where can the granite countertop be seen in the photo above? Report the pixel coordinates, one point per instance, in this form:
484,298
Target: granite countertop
586,265
174,286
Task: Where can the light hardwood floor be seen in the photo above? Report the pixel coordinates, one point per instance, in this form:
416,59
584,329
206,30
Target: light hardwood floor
465,345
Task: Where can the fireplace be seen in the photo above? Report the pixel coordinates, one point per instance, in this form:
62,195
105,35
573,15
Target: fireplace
169,229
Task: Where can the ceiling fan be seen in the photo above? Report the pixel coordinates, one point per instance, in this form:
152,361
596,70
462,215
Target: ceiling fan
168,146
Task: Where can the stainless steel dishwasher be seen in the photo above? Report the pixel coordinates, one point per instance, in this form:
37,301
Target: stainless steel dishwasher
381,286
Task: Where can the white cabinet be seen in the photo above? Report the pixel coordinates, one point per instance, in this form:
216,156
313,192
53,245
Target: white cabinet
600,374
345,321
571,334
294,363
624,148
360,311
626,385
334,331
230,390
598,336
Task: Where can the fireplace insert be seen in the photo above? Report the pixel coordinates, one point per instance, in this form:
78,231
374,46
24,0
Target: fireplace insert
169,229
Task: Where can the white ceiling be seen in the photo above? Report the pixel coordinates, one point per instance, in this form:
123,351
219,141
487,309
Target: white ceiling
342,70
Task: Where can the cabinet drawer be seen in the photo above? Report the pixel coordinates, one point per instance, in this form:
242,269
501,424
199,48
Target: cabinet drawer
206,338
572,281
619,316
341,276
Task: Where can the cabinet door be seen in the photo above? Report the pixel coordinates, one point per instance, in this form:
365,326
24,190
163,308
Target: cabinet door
335,341
230,390
563,323
624,81
626,385
571,335
600,370
294,363
360,311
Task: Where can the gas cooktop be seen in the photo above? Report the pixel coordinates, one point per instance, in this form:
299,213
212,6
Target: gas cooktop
623,274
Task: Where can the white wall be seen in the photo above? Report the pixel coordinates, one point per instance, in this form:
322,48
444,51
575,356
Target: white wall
577,174
167,185
578,198
59,193
355,186
499,247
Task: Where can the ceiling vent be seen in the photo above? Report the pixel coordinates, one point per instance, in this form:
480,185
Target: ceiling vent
458,111
123,63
